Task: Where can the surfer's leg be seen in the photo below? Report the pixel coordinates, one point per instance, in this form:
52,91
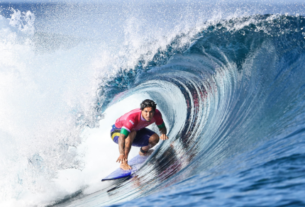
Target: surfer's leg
153,140
146,139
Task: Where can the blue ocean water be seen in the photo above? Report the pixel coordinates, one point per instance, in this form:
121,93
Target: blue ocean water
228,78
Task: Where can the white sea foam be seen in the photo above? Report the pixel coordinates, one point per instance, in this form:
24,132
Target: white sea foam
46,88
49,77
41,94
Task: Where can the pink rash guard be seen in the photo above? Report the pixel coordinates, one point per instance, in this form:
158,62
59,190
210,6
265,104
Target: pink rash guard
133,120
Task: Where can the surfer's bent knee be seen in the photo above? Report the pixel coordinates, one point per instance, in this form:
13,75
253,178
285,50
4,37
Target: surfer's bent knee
155,139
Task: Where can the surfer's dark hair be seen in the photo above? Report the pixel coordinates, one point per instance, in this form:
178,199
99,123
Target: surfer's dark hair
148,103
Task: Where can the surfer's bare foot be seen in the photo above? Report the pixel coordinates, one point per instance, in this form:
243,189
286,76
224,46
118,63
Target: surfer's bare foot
146,153
125,166
142,154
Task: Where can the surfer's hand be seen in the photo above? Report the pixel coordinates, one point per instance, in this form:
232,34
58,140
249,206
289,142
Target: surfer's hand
121,159
163,137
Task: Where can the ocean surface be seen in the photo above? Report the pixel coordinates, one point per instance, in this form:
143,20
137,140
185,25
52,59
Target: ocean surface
229,79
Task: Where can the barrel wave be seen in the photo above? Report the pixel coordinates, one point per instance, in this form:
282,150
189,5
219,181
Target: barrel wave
233,101
231,92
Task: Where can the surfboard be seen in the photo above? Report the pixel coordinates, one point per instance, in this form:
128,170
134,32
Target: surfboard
135,163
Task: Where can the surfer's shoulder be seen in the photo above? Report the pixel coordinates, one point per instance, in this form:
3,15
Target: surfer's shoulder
157,113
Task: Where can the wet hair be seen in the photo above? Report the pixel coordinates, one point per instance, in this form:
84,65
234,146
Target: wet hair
148,103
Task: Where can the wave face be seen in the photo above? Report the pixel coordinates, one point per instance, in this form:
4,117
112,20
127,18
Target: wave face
242,127
232,94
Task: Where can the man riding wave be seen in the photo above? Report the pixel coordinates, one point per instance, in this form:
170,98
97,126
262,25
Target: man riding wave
129,130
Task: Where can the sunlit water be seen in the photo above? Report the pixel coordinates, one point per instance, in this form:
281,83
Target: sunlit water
228,79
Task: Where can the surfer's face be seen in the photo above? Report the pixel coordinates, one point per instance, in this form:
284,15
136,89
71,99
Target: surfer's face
148,113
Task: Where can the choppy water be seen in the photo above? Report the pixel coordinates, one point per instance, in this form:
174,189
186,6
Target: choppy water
228,82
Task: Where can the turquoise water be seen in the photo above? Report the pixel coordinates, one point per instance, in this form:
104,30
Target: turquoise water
229,82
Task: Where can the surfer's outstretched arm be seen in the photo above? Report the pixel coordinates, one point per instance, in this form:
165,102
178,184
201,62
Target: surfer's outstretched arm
128,142
122,156
124,148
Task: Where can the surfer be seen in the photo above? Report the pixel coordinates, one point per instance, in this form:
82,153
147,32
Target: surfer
129,130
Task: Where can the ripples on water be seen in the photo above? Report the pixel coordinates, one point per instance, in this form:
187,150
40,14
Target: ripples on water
233,97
